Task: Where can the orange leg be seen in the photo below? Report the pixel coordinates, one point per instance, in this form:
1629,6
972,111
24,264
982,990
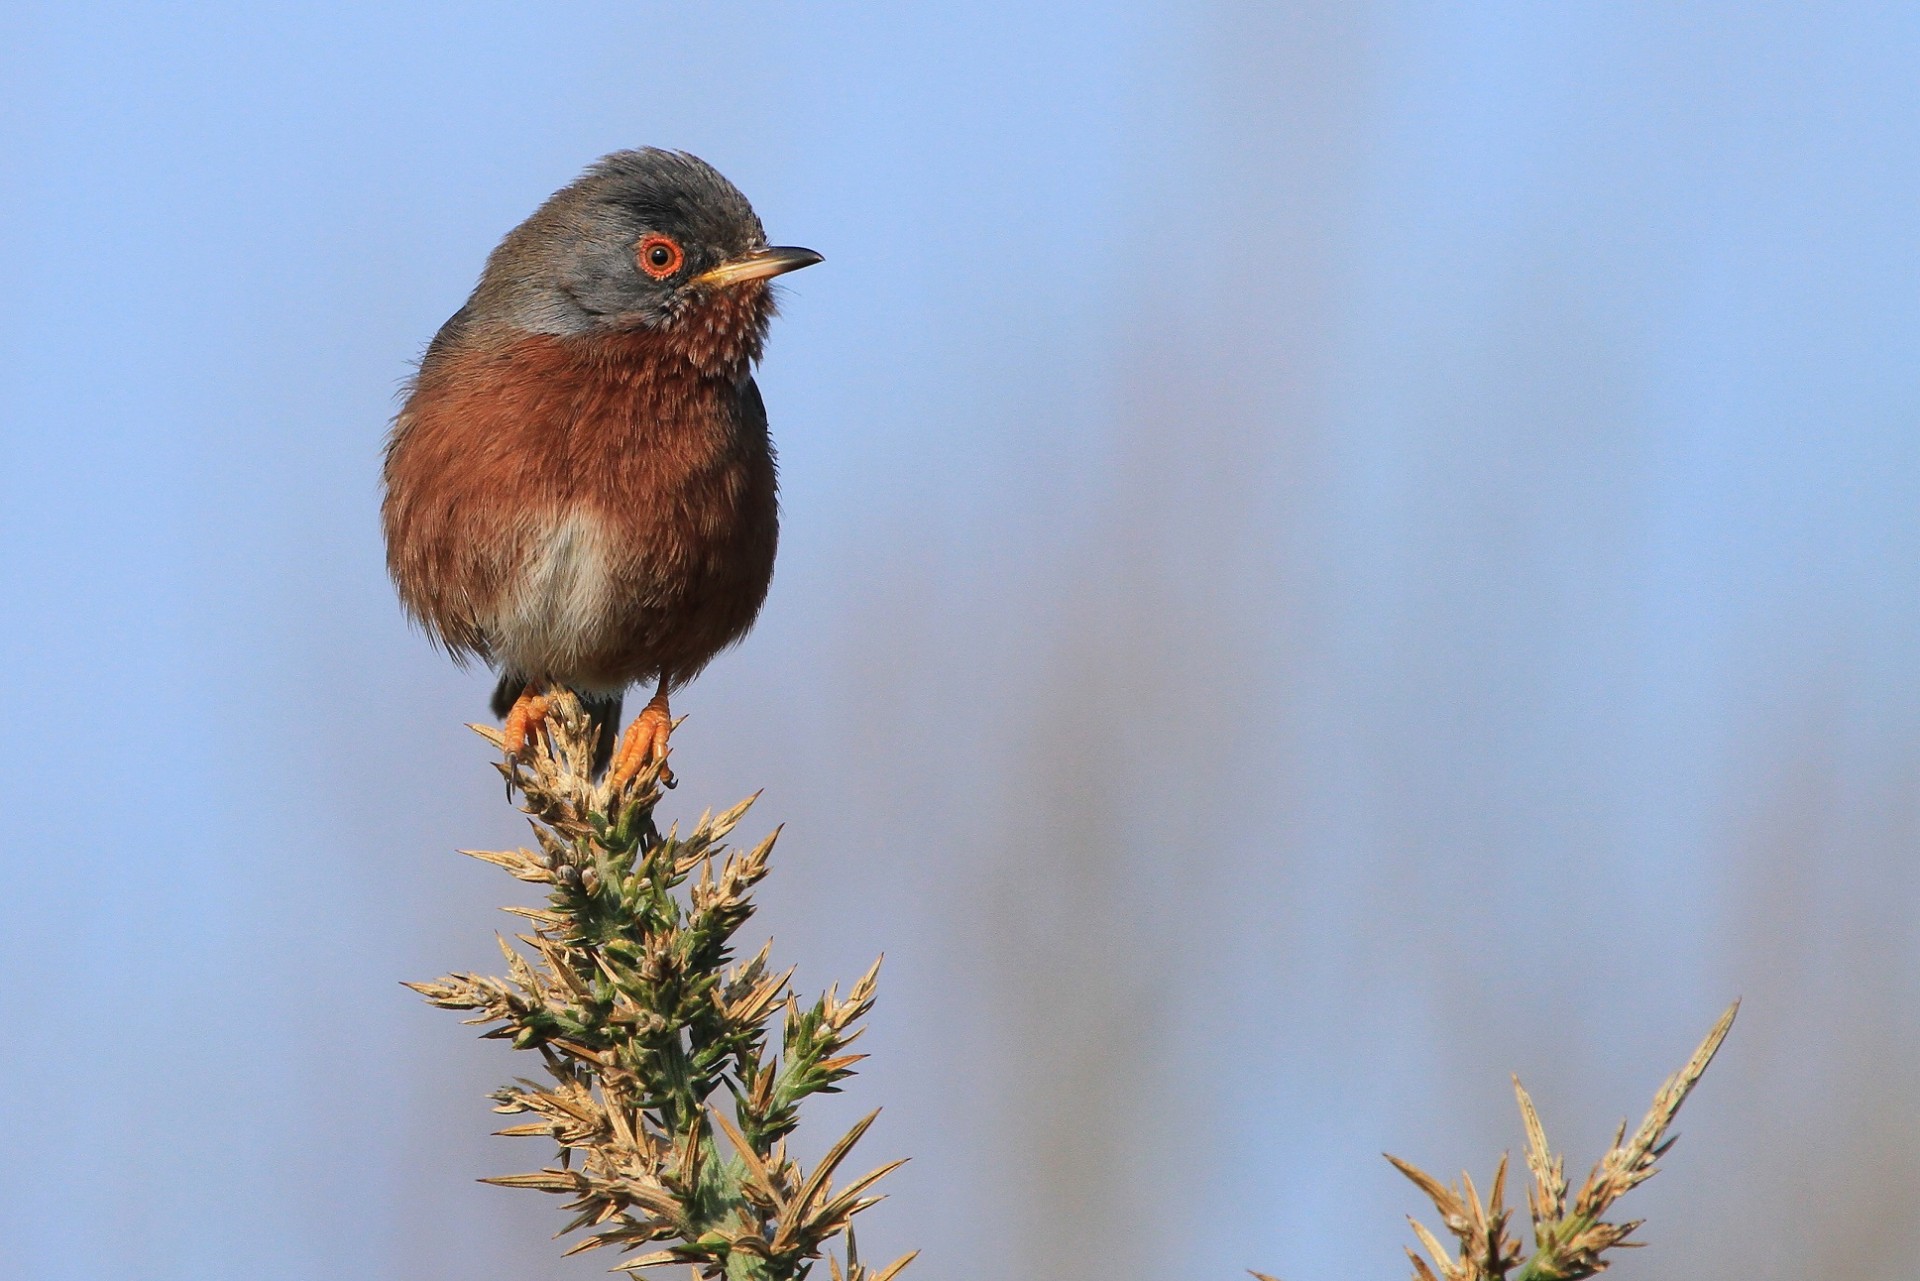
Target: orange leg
645,742
525,720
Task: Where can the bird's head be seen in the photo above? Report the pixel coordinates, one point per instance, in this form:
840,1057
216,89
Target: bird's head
645,241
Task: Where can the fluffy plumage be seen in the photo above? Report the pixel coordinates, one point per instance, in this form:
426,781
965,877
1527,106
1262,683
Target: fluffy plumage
580,487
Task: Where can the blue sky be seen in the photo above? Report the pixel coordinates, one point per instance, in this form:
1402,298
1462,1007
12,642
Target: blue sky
1330,553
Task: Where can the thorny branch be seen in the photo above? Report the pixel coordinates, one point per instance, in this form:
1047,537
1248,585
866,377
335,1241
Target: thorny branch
1570,1240
668,1103
671,1110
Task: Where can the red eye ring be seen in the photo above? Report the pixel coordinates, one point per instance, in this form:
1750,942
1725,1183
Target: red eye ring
659,256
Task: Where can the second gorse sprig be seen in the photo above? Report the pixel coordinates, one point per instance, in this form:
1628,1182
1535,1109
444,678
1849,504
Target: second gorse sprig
669,1103
1570,1234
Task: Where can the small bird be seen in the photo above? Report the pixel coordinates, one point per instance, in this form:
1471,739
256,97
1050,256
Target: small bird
580,487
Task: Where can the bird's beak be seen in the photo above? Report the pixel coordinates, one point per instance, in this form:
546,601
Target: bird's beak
758,265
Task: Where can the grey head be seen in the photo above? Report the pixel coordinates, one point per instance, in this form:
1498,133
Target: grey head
641,240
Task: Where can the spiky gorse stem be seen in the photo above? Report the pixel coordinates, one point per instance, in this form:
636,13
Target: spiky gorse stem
1570,1238
670,1110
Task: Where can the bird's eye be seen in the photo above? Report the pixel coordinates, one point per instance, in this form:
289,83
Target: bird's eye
659,256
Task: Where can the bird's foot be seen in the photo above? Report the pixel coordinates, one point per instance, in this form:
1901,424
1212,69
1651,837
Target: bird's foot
525,719
644,744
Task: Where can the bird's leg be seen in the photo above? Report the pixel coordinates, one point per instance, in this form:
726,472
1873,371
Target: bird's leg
646,742
525,719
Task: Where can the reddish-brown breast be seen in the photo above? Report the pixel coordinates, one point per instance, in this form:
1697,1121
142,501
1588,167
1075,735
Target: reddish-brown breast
593,511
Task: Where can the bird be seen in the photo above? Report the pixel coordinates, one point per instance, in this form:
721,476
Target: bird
579,487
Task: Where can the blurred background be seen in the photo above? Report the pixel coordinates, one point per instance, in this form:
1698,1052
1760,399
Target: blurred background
1332,553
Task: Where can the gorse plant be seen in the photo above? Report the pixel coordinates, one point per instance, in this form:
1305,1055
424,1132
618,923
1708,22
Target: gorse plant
670,1106
1570,1238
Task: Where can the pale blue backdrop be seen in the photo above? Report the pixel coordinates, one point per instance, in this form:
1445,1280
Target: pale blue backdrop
1332,552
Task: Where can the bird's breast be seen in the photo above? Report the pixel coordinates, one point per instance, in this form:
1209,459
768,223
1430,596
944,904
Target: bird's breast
594,513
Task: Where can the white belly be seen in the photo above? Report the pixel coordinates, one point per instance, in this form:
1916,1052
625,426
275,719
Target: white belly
557,611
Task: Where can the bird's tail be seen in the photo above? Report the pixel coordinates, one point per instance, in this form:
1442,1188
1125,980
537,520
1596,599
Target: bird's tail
603,713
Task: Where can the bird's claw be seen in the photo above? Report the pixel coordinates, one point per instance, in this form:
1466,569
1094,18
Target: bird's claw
525,720
645,743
